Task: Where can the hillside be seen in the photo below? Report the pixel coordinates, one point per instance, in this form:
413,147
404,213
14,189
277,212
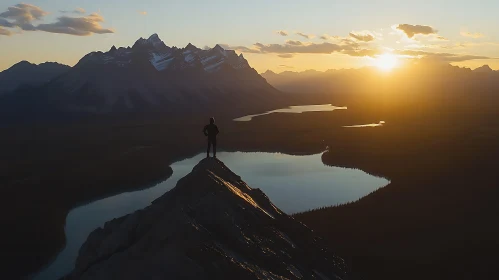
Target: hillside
210,226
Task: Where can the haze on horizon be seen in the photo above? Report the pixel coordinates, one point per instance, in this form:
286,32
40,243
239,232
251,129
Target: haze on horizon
275,35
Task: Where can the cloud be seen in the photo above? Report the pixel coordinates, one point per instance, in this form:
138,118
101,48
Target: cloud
441,57
471,35
80,26
282,33
79,11
323,48
6,23
22,15
286,66
324,37
5,32
291,48
362,52
307,36
144,13
412,30
294,43
364,36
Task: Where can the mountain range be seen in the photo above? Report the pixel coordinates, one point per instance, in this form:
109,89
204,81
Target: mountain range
341,80
28,74
149,76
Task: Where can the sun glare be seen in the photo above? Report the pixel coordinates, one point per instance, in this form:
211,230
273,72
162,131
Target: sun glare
386,62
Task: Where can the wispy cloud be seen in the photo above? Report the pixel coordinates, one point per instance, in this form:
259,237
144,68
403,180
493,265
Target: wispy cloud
471,35
292,48
286,66
294,43
79,11
307,36
364,36
282,33
442,57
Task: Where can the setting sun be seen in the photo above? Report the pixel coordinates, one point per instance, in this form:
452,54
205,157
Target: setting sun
386,62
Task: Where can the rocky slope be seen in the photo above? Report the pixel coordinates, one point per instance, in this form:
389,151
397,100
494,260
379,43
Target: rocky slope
210,226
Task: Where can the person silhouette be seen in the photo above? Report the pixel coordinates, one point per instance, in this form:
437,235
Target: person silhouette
211,131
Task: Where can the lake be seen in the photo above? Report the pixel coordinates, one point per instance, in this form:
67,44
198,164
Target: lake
294,110
293,183
381,123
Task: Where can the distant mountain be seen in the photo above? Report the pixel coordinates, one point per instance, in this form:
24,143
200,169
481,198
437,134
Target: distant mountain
342,80
149,77
28,74
484,69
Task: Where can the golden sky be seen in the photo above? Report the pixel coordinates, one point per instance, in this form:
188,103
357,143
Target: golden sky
278,35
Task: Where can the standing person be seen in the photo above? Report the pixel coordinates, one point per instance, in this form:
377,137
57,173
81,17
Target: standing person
211,130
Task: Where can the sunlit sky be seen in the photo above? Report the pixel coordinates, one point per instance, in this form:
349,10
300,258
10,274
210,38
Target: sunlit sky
341,34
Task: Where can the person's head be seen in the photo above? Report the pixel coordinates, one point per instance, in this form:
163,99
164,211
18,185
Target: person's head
212,120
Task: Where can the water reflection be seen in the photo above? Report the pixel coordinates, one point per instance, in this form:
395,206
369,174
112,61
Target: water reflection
295,110
381,123
293,183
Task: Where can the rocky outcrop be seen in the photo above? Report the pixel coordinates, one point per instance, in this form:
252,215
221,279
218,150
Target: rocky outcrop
210,226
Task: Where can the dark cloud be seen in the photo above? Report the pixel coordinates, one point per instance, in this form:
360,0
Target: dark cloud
80,26
22,15
307,36
79,11
294,43
285,55
362,36
5,32
323,37
282,33
6,23
412,30
443,57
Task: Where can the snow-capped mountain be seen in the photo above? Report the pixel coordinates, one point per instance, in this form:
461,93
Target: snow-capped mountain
151,76
165,58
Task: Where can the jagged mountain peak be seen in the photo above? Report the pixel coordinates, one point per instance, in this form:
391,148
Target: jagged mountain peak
154,37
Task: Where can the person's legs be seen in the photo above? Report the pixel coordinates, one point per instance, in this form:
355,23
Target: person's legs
214,142
208,150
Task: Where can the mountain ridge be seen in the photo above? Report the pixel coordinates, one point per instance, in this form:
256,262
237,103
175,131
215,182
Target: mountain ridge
212,225
25,73
147,77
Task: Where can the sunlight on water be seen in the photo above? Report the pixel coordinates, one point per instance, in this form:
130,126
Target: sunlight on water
293,183
295,110
381,123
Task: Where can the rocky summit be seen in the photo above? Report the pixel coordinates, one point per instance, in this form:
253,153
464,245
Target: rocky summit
212,225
